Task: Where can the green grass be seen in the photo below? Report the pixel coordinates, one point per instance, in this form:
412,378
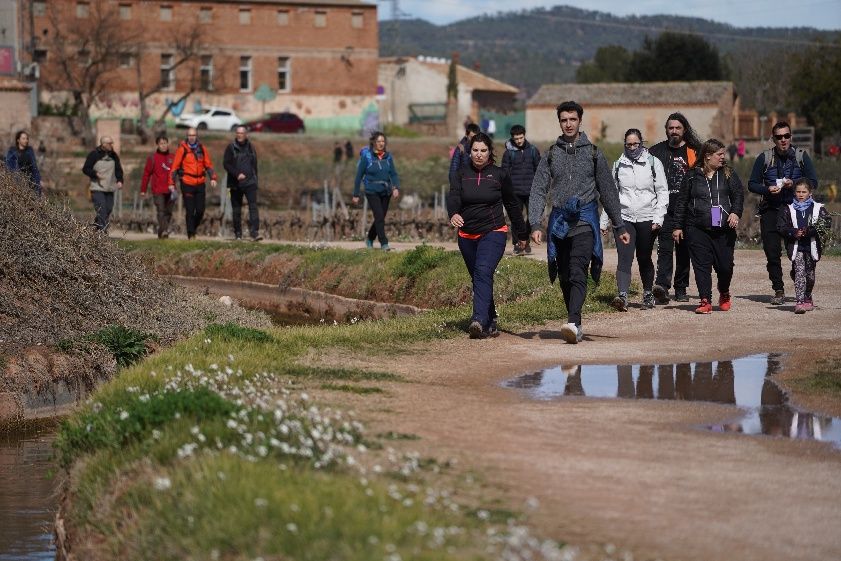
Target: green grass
348,388
824,378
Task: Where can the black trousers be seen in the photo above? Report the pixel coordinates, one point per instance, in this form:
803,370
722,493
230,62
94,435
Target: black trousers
641,244
711,249
573,259
772,244
250,194
164,204
669,255
379,206
194,197
523,203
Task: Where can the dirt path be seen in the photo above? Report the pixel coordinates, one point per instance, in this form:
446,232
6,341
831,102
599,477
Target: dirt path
634,473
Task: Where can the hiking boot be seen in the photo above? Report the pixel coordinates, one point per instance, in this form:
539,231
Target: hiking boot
572,333
800,308
528,248
518,252
620,302
779,298
661,294
724,301
647,300
369,244
256,238
681,296
493,330
476,331
704,307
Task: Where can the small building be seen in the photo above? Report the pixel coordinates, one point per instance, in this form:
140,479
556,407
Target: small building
611,109
16,101
414,90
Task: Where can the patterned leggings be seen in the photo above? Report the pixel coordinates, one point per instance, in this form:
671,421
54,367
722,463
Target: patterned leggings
803,269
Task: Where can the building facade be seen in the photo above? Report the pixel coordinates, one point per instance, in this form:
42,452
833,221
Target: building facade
611,109
317,58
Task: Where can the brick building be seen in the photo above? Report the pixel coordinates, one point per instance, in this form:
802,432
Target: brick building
611,109
318,56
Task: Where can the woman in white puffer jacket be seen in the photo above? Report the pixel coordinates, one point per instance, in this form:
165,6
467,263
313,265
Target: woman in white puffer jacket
644,196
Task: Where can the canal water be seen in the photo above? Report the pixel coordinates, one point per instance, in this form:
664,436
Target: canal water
28,499
744,382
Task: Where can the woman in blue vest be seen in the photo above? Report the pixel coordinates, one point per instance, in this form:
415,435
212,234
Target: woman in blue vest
376,170
21,158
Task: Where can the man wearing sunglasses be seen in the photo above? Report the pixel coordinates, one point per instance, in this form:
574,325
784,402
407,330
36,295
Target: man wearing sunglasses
774,174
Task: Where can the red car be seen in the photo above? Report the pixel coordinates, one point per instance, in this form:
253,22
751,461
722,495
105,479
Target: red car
277,122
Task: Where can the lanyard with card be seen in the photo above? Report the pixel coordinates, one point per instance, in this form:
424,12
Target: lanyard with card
716,211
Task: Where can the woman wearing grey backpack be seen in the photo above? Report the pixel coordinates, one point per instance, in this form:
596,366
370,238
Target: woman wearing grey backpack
644,196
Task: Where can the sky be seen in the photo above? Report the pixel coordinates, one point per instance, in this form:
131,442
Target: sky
820,14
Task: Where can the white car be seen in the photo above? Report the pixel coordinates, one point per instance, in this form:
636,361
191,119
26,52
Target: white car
211,118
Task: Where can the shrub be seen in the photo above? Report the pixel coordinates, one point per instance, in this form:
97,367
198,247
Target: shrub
126,344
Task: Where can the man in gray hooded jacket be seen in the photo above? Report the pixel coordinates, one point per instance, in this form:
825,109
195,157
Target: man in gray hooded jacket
573,176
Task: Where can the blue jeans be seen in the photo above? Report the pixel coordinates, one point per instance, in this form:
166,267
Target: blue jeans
103,204
481,257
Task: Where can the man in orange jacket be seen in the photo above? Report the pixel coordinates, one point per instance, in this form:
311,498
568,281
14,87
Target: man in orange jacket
192,164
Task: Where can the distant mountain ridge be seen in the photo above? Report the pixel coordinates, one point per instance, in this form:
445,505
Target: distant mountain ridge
524,48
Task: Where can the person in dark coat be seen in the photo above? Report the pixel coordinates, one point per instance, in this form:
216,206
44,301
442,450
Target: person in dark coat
461,156
103,168
520,160
709,207
21,158
240,161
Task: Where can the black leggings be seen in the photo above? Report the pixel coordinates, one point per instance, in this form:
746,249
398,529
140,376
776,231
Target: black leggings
194,198
642,243
379,206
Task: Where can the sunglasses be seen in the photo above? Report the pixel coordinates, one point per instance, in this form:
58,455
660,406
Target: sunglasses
782,136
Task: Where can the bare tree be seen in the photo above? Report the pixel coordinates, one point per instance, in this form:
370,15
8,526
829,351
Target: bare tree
85,57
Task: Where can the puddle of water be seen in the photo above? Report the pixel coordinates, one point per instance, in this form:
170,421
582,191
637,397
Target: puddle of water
743,382
27,495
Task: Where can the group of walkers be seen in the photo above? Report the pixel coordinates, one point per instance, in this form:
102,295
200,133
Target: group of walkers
681,192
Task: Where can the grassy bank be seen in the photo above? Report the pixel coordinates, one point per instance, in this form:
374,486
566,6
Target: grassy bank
212,449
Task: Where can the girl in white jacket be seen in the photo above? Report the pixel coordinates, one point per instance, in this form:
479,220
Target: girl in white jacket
644,196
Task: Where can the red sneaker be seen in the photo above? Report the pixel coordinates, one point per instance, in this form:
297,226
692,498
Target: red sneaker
724,301
704,307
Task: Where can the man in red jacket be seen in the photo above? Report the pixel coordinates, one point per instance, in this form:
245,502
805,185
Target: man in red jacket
158,169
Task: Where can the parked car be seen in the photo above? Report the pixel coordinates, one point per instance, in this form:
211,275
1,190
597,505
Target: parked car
277,122
212,118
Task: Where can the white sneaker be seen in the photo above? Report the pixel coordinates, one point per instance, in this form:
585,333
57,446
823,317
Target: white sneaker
571,333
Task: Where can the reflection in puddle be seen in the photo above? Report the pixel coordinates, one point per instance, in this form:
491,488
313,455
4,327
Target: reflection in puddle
743,382
27,496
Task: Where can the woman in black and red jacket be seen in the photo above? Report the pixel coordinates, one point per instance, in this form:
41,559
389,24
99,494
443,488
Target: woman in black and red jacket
474,204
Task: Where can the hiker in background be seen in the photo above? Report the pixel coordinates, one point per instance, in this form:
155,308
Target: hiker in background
520,160
707,214
774,174
731,152
158,169
338,164
192,164
349,155
644,196
800,224
574,176
475,208
240,161
460,156
376,170
741,149
21,158
103,168
678,154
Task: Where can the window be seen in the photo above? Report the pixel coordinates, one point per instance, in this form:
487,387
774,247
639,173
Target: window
125,11
205,15
245,73
166,13
283,17
82,9
320,18
206,73
167,72
39,8
357,20
244,16
283,73
39,55
126,60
